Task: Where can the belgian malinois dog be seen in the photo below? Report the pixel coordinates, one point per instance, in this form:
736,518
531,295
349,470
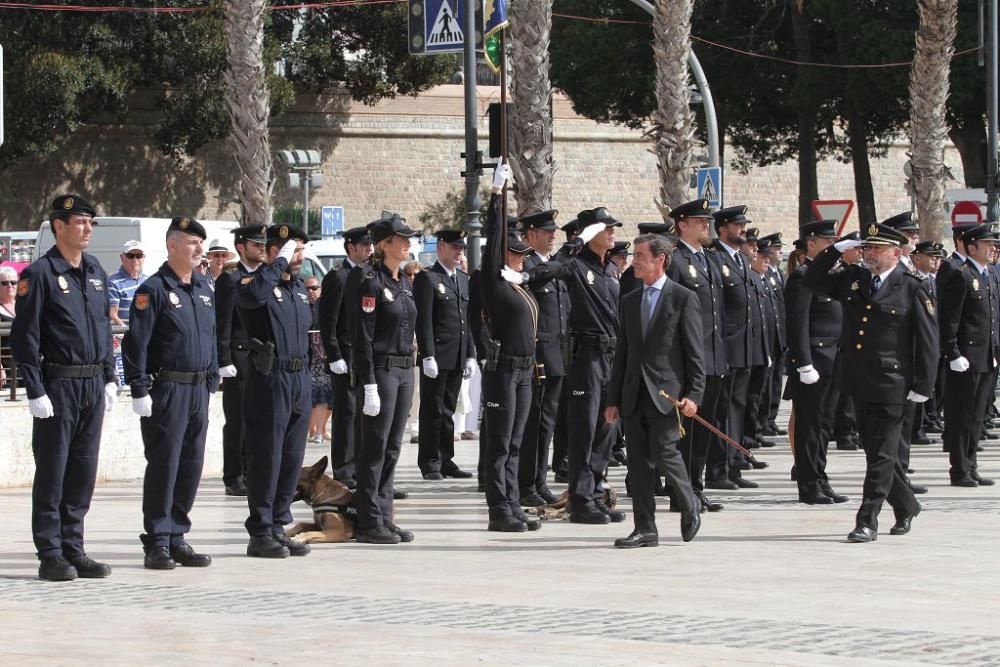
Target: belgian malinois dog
332,504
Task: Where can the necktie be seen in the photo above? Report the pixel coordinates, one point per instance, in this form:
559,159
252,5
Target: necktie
700,256
876,283
648,305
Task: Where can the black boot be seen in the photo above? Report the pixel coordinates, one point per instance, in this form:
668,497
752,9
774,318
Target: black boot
56,568
294,548
88,568
157,557
184,554
265,546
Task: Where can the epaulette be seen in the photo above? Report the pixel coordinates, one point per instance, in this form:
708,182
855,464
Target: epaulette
913,275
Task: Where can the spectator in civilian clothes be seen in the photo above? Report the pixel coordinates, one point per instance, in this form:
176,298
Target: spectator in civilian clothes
123,282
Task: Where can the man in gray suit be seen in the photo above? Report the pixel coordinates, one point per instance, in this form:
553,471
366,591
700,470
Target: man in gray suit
659,348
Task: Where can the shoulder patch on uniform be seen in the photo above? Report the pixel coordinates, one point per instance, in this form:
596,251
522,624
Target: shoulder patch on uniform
246,280
141,301
22,287
368,304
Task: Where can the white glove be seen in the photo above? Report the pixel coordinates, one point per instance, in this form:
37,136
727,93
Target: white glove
110,395
41,407
590,231
470,367
500,176
143,406
511,276
227,371
915,397
848,244
959,365
372,402
808,375
288,250
430,367
339,366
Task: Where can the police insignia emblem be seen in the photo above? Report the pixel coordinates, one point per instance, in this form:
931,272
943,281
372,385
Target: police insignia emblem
246,280
68,203
63,284
141,301
283,232
441,288
277,294
725,270
692,271
175,300
368,304
206,300
183,223
22,287
872,229
930,305
98,285
975,283
590,277
388,295
855,286
773,283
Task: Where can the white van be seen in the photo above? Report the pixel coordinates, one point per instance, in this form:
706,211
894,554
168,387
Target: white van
331,251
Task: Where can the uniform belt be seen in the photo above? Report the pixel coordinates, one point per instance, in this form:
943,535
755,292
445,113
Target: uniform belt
390,361
64,371
182,377
601,341
514,363
298,364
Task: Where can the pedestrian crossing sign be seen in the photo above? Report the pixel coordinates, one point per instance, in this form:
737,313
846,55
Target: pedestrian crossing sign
438,26
710,186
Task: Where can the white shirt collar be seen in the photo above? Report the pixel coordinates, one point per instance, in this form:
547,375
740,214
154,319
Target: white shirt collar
979,267
350,262
732,251
249,270
658,284
692,248
885,275
451,273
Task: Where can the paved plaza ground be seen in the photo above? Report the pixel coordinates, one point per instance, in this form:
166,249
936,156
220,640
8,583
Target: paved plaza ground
768,581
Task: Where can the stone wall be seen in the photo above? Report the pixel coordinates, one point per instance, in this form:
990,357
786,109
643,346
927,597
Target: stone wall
402,154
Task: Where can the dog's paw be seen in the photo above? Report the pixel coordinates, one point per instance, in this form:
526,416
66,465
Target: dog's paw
301,538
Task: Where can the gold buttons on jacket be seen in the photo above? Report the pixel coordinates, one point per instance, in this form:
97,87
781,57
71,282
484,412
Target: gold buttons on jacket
864,319
861,332
858,346
868,306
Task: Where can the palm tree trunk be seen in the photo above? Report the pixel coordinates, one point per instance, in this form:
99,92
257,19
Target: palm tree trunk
935,44
249,107
530,30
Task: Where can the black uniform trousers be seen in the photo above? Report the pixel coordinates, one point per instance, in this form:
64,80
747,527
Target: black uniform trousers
174,442
538,433
757,407
814,405
345,427
507,392
906,433
845,424
651,452
885,478
697,439
560,432
277,412
589,435
381,441
729,417
774,392
234,457
436,435
65,449
964,406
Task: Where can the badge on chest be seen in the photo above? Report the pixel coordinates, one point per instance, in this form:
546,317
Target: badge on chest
440,288
590,277
63,284
387,293
174,300
277,295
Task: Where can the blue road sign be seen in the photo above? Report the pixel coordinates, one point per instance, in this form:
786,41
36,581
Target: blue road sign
438,26
333,220
710,186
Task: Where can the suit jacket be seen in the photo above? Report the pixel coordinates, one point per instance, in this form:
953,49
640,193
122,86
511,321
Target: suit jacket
628,282
669,357
813,326
968,318
741,336
706,283
890,339
443,317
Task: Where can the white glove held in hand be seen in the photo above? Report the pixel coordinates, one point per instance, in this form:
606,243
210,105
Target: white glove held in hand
470,367
959,365
41,407
511,276
110,395
372,402
339,367
915,397
430,367
288,250
227,371
808,375
500,176
848,244
143,406
590,231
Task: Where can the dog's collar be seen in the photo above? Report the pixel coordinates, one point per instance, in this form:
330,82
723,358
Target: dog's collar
347,510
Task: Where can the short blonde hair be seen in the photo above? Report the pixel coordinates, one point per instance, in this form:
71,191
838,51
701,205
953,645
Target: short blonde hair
8,272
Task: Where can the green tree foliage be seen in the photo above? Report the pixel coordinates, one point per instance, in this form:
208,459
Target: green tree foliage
449,212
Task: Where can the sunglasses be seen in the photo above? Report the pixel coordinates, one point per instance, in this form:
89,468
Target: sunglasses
8,283
134,255
312,288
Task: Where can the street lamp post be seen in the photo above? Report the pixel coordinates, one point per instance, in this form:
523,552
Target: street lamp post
303,171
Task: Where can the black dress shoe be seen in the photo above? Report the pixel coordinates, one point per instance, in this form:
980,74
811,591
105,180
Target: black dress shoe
561,478
979,448
770,431
265,546
917,488
707,505
400,495
294,548
378,535
589,515
88,568
532,500
56,568
404,534
934,428
990,435
744,465
815,497
862,534
614,463
775,427
433,476
237,488
828,491
967,482
722,484
455,472
745,483
847,445
767,443
532,522
756,464
751,444
638,538
158,558
548,496
980,480
902,526
184,554
690,524
922,440
616,516
507,524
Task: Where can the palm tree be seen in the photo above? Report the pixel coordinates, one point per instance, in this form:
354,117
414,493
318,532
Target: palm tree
928,98
531,129
249,107
673,130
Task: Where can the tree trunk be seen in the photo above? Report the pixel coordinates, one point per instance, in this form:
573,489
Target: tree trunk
249,107
970,140
530,29
673,131
863,190
808,180
935,44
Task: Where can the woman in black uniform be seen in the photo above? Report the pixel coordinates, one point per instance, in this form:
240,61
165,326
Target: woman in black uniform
383,362
512,323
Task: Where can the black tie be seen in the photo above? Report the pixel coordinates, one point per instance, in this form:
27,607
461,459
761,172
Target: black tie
876,283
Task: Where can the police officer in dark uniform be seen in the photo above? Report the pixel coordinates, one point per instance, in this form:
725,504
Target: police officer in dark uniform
61,341
382,337
890,353
171,366
232,348
813,332
763,318
551,349
274,307
691,267
336,308
777,280
446,351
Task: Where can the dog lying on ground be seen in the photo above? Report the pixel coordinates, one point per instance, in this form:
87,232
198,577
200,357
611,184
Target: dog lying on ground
332,504
559,510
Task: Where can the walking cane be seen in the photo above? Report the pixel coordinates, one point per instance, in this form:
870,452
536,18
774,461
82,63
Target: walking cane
698,418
